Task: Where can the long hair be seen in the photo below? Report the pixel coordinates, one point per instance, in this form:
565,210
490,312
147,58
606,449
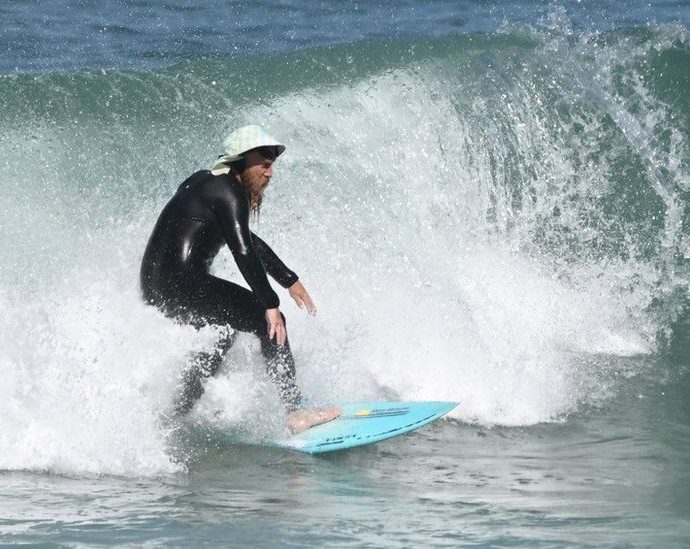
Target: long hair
256,197
255,200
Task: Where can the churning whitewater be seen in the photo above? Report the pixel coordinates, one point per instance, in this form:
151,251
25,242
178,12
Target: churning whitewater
482,218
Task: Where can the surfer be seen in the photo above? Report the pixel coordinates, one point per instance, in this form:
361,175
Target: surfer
209,209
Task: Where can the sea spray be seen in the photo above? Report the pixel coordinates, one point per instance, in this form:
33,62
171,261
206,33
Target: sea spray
478,218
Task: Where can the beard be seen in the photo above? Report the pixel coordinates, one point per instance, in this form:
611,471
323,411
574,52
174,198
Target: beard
255,187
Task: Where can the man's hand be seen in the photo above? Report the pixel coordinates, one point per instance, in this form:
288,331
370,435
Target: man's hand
301,297
276,326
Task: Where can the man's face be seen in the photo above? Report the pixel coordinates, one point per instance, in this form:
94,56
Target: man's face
257,172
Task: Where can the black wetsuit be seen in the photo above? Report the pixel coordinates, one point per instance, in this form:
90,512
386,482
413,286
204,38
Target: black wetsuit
206,212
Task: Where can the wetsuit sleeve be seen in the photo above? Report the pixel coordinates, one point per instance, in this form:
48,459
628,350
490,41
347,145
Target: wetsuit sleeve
273,265
232,209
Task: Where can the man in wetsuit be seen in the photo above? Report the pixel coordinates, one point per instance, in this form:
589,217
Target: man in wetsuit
209,209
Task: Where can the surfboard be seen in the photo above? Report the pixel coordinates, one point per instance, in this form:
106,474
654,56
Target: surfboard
365,423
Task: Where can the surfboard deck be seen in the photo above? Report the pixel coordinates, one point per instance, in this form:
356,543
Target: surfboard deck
365,423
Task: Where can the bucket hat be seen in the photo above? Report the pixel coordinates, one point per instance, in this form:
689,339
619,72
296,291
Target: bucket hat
242,140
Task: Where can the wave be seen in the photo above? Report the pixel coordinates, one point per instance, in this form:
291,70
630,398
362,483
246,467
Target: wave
475,216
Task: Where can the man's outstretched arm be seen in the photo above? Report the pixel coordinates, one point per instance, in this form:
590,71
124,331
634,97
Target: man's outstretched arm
273,264
283,275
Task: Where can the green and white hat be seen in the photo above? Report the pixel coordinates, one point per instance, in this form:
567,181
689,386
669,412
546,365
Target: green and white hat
239,142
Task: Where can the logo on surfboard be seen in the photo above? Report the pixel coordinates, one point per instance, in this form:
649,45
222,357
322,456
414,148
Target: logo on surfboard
366,412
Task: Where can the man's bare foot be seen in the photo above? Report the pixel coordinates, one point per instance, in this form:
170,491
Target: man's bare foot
302,419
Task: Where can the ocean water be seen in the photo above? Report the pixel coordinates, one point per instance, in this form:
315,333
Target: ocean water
489,202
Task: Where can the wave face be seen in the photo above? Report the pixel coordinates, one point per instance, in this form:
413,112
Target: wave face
498,219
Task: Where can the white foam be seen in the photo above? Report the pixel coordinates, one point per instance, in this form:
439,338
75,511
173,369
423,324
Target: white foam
410,205
422,294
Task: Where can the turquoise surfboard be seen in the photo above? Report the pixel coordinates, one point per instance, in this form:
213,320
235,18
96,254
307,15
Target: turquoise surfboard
364,423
